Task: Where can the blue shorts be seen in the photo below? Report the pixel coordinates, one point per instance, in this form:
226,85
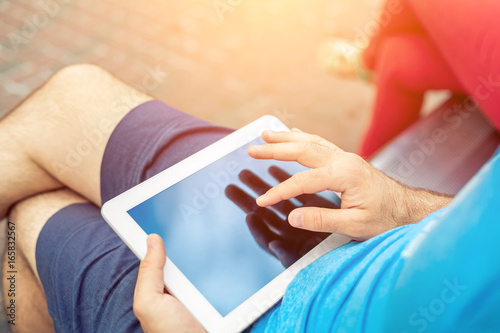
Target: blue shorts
87,272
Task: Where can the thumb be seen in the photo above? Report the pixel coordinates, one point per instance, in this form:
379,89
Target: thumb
330,220
150,277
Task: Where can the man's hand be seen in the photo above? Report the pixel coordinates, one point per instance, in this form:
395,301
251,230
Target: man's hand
372,203
158,311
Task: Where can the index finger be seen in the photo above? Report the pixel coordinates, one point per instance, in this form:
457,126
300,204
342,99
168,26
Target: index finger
281,175
285,136
305,182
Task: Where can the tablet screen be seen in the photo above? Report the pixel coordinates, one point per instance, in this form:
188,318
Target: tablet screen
217,236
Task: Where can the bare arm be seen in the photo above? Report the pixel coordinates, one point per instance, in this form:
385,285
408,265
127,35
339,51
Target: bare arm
372,202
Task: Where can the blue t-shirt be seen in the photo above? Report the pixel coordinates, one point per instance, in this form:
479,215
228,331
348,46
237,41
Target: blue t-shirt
439,275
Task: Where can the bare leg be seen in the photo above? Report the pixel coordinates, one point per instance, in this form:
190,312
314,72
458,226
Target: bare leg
29,216
470,49
397,18
31,313
408,65
56,138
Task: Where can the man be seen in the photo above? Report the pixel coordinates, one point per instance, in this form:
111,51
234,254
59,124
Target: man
84,137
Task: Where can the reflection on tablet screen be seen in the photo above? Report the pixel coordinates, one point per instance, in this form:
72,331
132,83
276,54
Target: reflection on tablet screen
218,237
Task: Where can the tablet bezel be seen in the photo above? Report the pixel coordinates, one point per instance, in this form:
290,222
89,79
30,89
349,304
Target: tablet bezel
115,213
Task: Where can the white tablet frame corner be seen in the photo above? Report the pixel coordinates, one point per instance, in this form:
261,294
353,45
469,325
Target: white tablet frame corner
115,213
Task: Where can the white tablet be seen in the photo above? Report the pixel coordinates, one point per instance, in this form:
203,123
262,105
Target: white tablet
228,261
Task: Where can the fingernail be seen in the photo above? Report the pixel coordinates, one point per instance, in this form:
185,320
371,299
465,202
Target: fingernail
151,242
261,199
295,129
296,219
254,148
268,132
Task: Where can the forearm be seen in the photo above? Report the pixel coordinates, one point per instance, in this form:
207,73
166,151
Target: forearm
417,203
372,202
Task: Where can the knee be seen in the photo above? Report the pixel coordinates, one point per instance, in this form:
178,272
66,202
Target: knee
77,74
398,63
79,70
42,206
390,67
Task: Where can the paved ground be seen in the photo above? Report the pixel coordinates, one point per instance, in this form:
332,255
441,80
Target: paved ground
227,65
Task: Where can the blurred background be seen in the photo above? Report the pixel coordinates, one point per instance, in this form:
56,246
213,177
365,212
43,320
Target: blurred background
225,61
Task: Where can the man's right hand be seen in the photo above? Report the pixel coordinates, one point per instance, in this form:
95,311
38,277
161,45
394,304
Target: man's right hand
372,202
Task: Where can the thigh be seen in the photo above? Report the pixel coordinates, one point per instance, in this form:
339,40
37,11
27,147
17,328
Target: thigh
87,272
65,125
23,297
466,34
149,139
412,63
396,17
28,217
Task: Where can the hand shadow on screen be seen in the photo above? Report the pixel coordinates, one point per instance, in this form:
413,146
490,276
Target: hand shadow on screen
273,233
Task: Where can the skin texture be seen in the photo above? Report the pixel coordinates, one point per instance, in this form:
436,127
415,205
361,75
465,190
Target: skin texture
156,310
56,137
51,143
28,218
372,203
